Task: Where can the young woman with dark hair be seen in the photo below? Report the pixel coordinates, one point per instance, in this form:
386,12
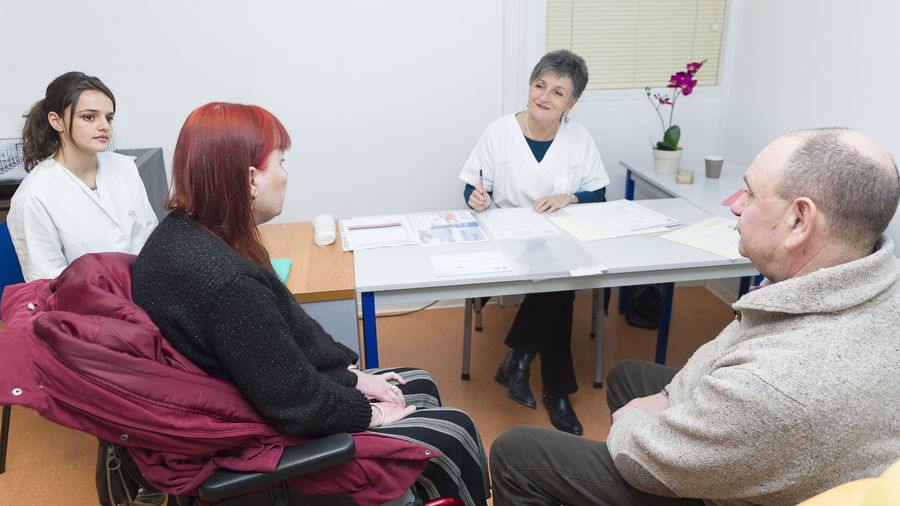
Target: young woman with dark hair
77,198
206,280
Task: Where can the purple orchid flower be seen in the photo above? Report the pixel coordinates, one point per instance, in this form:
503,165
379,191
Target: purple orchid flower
664,100
683,84
687,86
679,80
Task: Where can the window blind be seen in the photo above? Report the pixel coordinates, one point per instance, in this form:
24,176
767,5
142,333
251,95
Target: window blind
638,43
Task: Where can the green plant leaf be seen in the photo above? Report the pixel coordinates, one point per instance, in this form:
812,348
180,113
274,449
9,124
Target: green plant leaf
664,146
672,136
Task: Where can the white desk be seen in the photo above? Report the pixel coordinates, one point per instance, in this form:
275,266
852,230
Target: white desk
404,274
707,194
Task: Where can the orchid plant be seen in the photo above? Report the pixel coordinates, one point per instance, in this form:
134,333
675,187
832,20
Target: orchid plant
683,83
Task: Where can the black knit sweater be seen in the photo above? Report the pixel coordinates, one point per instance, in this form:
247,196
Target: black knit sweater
237,321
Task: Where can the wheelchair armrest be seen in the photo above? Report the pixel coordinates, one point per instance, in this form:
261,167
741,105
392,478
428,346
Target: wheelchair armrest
295,461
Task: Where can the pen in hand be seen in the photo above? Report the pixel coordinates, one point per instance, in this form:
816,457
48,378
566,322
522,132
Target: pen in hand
481,182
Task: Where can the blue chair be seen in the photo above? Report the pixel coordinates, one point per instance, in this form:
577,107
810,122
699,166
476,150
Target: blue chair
10,274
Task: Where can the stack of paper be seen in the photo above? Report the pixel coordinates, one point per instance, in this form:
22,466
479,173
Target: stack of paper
612,219
376,232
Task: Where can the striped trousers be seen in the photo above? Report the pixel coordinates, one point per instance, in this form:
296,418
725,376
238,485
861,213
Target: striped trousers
462,469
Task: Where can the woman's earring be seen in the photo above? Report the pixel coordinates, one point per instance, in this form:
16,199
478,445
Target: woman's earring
252,198
566,117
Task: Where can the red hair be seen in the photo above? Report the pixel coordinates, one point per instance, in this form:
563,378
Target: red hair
217,145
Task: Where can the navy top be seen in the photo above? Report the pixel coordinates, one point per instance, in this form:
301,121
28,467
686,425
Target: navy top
538,148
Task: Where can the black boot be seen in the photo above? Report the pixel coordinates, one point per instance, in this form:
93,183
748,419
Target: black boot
562,416
513,373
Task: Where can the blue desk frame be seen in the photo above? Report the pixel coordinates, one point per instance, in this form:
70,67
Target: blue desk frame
370,334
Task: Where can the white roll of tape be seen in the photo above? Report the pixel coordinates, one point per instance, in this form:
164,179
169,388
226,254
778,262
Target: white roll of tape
325,232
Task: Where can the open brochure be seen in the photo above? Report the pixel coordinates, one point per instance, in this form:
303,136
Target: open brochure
455,227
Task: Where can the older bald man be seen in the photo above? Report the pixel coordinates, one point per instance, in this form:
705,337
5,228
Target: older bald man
799,394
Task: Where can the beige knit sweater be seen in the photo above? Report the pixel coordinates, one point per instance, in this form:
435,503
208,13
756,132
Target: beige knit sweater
797,395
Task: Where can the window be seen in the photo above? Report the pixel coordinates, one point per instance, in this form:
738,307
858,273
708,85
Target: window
638,43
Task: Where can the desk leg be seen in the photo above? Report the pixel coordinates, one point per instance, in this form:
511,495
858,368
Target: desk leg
598,337
662,337
467,337
745,286
629,186
370,334
629,195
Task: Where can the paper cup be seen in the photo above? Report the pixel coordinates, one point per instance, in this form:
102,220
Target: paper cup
714,166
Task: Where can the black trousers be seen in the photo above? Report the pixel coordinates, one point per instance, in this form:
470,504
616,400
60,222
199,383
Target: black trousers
462,469
543,326
541,466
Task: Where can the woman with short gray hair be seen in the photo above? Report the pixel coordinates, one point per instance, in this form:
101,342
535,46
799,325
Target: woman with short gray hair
539,158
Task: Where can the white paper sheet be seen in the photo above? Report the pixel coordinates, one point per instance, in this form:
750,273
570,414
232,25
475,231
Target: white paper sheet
717,235
588,271
469,263
517,223
621,217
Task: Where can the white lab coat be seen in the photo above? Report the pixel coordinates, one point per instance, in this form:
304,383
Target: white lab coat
514,176
55,218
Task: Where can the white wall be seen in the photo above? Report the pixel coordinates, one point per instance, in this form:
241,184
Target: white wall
385,105
814,63
624,126
383,100
623,122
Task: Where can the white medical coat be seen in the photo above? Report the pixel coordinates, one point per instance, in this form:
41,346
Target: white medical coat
516,179
55,218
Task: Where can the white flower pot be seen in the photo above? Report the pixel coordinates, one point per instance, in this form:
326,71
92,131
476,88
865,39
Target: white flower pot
666,162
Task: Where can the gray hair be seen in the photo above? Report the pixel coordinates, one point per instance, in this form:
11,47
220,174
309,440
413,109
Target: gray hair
563,63
857,195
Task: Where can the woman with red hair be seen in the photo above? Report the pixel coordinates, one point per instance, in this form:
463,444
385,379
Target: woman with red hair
206,280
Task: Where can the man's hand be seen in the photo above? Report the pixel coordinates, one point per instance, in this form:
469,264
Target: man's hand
653,404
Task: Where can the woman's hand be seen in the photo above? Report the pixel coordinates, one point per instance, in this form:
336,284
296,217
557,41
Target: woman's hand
479,200
377,386
384,413
550,203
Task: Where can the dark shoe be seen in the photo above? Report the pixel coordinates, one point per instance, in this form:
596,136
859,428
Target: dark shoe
562,416
513,373
150,498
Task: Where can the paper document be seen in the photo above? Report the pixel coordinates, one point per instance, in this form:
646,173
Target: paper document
517,223
447,228
612,219
588,271
375,232
469,263
584,232
717,235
